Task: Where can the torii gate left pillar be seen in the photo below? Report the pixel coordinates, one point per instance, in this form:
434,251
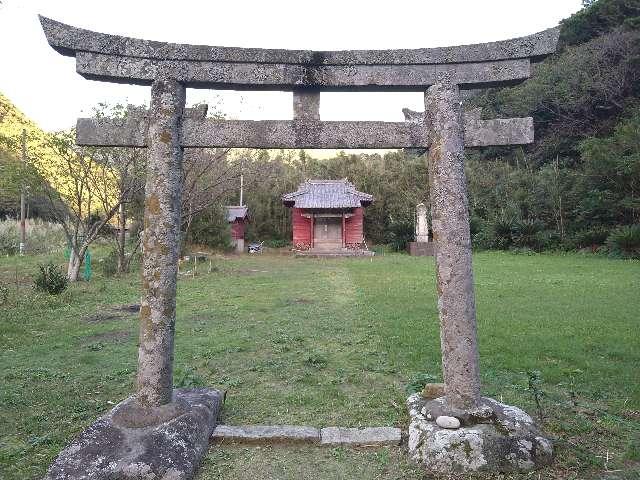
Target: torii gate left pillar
163,191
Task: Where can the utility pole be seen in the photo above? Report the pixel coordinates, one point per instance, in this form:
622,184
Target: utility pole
23,210
241,181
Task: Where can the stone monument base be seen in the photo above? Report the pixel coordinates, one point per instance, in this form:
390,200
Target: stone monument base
496,438
420,249
167,442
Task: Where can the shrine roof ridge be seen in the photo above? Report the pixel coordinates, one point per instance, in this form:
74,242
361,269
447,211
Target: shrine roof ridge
321,193
69,40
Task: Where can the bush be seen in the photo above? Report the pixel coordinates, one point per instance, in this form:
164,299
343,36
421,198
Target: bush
399,234
187,377
624,242
589,238
210,228
276,243
110,264
4,294
51,279
503,229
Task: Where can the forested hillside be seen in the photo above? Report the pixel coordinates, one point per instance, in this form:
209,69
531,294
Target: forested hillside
575,186
38,149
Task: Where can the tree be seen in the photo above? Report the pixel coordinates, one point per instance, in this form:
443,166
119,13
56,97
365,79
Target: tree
128,165
84,195
212,178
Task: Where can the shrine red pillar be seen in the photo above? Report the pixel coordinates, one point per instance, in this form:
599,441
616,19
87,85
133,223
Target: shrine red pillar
311,233
344,233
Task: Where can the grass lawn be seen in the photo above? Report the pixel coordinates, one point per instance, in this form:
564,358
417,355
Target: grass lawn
332,342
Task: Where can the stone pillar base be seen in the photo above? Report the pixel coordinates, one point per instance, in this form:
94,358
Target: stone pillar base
505,440
133,442
420,249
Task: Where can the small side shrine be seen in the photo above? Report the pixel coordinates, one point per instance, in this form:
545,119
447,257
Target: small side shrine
238,217
328,218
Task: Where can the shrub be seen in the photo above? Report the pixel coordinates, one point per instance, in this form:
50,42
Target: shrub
502,230
276,243
399,234
589,238
4,294
211,228
624,242
51,279
525,233
110,264
187,377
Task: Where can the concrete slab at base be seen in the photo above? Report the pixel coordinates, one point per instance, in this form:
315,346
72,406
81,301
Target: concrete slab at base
372,436
266,434
505,441
123,445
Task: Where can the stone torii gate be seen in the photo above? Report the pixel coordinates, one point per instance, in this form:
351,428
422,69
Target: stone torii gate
168,128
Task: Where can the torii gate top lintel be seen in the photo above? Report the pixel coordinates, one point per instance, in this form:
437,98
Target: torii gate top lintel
129,60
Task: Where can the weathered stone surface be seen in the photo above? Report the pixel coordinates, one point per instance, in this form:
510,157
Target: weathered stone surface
508,441
172,448
67,40
212,133
162,222
450,224
242,76
306,104
113,58
485,133
444,421
422,224
420,249
371,436
266,434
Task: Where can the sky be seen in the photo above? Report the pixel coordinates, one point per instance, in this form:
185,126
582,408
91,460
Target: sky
44,85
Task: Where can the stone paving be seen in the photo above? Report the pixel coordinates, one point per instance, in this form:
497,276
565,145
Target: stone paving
329,436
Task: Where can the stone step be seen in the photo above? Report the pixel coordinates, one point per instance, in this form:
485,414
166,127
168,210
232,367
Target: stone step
335,253
365,437
329,436
266,434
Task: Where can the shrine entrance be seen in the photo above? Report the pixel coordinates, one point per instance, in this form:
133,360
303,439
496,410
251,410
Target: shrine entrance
505,442
327,232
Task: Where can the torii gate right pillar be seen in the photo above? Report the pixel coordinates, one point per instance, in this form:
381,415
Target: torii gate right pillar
450,224
461,431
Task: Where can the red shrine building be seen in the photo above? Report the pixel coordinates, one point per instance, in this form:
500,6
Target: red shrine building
328,217
237,216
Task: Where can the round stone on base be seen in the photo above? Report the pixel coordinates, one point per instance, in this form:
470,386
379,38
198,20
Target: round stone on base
506,441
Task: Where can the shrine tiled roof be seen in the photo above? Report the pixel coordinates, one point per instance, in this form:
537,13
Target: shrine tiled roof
327,194
234,212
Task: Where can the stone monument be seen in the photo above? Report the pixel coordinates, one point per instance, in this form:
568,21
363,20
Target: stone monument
421,247
162,432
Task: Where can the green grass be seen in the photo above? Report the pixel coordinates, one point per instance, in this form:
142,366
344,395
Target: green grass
319,342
